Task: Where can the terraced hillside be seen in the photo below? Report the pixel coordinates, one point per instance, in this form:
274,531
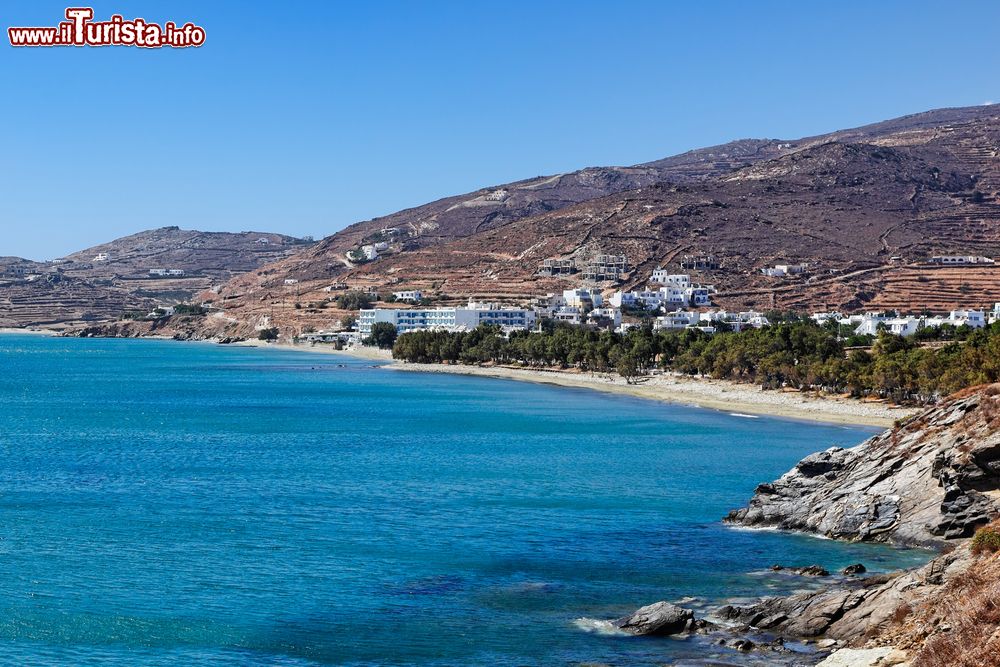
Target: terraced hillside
865,208
102,282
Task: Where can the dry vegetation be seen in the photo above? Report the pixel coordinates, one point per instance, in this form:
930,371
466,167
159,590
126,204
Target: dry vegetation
960,625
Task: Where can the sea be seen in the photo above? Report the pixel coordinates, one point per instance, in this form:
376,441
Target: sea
168,503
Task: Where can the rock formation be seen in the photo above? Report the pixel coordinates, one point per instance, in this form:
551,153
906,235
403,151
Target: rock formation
936,477
659,618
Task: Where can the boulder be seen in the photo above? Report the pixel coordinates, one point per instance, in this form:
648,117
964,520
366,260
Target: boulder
659,618
852,570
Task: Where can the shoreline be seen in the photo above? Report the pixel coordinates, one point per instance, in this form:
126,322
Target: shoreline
721,395
706,393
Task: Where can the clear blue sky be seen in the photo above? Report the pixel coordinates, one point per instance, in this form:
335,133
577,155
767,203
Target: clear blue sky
303,117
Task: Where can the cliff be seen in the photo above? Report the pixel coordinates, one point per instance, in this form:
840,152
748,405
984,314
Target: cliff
935,477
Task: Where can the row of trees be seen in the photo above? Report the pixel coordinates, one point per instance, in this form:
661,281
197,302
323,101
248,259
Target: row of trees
793,353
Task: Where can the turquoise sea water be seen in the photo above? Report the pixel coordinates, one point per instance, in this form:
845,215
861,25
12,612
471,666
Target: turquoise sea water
177,503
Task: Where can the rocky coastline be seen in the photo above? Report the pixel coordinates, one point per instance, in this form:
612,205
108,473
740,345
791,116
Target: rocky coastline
932,481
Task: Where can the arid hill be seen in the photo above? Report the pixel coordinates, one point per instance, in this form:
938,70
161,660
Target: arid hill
131,273
865,208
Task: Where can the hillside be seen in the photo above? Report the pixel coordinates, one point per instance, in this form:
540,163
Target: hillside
101,282
866,208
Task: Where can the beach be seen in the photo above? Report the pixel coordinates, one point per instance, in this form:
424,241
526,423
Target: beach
722,395
702,392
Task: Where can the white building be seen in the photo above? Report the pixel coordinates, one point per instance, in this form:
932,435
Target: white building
903,326
779,270
172,273
568,314
663,277
101,257
582,298
698,295
734,321
971,318
678,319
676,294
329,337
291,281
448,319
870,324
994,315
960,260
823,318
612,315
408,295
369,252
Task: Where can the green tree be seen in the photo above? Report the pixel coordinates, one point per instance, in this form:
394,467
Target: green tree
354,300
383,335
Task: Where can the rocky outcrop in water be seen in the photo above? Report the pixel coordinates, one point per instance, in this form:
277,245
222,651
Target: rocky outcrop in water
659,618
933,478
851,611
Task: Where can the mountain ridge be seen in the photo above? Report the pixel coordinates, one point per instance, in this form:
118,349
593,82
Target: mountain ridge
865,207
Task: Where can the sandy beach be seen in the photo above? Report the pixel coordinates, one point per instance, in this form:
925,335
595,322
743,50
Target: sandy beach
722,395
31,332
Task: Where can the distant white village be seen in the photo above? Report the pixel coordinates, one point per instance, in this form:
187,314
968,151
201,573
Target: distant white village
670,301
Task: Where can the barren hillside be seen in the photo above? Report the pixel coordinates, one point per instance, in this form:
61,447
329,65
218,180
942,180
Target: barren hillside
102,282
865,208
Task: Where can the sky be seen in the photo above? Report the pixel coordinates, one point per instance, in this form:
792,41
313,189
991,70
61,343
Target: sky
303,117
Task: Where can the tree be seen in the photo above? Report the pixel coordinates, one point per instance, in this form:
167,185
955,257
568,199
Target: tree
383,335
354,300
628,367
267,334
347,322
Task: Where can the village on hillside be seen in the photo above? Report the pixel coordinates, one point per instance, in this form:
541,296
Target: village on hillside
667,301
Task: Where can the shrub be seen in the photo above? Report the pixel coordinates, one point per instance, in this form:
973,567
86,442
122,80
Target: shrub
188,309
267,334
986,540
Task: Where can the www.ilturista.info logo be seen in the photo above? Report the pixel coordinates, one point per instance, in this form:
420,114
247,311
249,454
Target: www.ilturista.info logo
81,30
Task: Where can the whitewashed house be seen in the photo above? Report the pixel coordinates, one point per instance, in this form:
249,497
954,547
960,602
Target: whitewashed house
409,295
972,318
961,260
780,270
903,326
568,314
663,277
611,315
994,315
582,298
678,319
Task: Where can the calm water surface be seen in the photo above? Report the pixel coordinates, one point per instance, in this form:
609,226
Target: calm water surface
170,503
